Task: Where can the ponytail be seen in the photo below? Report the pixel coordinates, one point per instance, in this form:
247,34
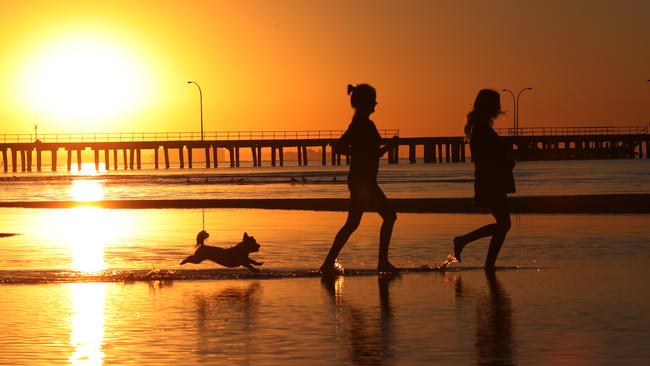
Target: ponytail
361,94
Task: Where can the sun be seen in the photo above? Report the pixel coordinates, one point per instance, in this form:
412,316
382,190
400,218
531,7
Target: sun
83,82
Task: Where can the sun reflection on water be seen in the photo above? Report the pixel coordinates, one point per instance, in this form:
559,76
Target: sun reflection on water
86,190
87,323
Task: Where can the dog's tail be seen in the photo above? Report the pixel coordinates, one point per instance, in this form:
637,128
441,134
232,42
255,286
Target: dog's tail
201,237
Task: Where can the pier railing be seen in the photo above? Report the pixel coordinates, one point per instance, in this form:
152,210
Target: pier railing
573,131
181,136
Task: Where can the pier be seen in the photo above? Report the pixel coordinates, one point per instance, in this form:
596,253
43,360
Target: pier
571,143
113,151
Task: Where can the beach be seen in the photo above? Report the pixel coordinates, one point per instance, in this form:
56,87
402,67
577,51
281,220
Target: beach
99,282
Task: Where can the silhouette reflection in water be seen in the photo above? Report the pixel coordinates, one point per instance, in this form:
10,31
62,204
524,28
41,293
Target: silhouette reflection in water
494,329
225,321
367,335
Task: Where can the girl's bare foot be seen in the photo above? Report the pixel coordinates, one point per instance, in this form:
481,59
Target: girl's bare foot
333,270
458,247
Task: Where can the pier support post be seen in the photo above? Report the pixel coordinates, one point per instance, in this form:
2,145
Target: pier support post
22,160
237,157
138,154
254,155
69,161
440,153
333,155
4,160
189,157
155,157
181,158
412,153
29,160
96,152
272,155
259,155
426,150
396,154
304,155
462,152
323,155
428,154
231,151
39,159
78,160
166,154
114,159
347,159
281,155
447,153
53,160
215,155
131,158
207,156
107,161
14,161
299,156
126,166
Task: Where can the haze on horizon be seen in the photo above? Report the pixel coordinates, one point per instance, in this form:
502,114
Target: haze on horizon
122,66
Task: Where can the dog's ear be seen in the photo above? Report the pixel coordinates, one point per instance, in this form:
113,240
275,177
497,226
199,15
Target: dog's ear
245,236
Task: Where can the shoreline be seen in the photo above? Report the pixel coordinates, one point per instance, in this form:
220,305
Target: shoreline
578,204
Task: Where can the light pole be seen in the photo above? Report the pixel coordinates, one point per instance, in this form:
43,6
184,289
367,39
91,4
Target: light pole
514,105
518,95
515,102
200,104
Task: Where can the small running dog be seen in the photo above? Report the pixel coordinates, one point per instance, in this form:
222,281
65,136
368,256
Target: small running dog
232,257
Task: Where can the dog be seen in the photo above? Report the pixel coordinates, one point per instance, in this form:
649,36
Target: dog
232,257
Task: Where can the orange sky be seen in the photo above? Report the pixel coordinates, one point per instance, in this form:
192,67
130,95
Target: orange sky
122,66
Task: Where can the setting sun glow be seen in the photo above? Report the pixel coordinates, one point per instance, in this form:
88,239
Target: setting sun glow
83,80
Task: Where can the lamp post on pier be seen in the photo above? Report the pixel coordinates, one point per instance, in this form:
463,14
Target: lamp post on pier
514,105
515,100
200,103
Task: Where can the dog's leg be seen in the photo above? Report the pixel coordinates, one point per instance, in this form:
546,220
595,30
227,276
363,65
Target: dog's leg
253,261
248,265
192,259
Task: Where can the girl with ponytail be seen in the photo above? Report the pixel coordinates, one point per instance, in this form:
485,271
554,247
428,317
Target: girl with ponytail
363,143
493,178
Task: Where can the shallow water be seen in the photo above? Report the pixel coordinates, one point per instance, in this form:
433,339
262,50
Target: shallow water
93,239
552,316
405,180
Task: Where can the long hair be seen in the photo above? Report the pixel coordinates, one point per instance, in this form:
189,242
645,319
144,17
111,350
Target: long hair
361,95
487,106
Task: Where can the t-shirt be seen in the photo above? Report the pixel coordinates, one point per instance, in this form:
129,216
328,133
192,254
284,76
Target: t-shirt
362,141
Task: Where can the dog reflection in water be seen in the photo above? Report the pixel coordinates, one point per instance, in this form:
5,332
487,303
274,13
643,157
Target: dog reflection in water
232,257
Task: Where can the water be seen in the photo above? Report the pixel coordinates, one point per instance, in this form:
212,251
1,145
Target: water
398,181
99,286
